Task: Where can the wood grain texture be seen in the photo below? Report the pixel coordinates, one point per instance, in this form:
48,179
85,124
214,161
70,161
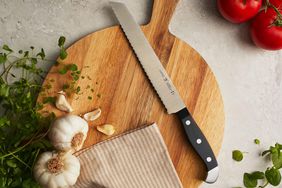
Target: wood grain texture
129,101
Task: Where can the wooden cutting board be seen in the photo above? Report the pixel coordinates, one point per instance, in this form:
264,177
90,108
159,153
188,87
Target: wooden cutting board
120,88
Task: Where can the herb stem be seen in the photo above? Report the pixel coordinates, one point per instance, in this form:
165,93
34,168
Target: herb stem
7,70
263,186
17,150
21,161
28,58
36,154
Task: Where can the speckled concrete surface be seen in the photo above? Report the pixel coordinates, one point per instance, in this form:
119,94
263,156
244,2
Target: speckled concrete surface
250,78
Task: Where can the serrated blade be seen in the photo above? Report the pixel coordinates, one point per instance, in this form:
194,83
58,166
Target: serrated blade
148,59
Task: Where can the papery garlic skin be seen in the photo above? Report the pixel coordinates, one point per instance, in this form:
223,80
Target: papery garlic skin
68,133
65,176
62,103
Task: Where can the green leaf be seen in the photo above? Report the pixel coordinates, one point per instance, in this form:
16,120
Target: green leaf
3,58
50,100
77,90
276,158
72,67
249,181
4,90
9,181
33,60
63,54
61,41
257,175
273,176
75,77
17,182
66,86
17,171
276,155
279,146
7,48
257,141
237,155
4,121
11,163
29,183
2,181
63,71
26,53
273,149
41,54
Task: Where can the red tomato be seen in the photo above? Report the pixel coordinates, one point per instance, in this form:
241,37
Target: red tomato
238,11
264,32
276,3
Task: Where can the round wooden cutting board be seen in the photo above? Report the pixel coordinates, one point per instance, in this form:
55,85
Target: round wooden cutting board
113,78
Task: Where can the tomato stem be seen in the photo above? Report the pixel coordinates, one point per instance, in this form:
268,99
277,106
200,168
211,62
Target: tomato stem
278,20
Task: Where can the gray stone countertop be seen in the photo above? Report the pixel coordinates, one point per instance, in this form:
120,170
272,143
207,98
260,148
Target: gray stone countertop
250,78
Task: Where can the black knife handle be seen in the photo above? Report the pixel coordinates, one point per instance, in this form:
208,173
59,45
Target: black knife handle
197,139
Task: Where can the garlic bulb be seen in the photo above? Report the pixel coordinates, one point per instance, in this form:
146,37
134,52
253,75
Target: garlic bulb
56,170
68,133
62,103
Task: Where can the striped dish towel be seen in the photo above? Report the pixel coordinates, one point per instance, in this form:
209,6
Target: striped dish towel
138,159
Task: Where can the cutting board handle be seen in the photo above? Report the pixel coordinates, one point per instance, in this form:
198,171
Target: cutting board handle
162,13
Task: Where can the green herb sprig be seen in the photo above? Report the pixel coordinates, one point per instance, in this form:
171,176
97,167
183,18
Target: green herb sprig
22,128
65,68
271,175
61,44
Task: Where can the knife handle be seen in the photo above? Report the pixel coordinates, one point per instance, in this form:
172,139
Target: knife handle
199,142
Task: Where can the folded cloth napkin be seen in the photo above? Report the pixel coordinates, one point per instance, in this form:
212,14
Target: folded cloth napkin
137,159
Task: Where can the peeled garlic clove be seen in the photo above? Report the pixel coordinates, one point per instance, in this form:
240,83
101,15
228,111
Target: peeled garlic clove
68,133
106,129
54,169
62,103
91,116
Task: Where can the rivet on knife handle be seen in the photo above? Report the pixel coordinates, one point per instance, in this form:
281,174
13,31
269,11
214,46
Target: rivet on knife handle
200,144
164,87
